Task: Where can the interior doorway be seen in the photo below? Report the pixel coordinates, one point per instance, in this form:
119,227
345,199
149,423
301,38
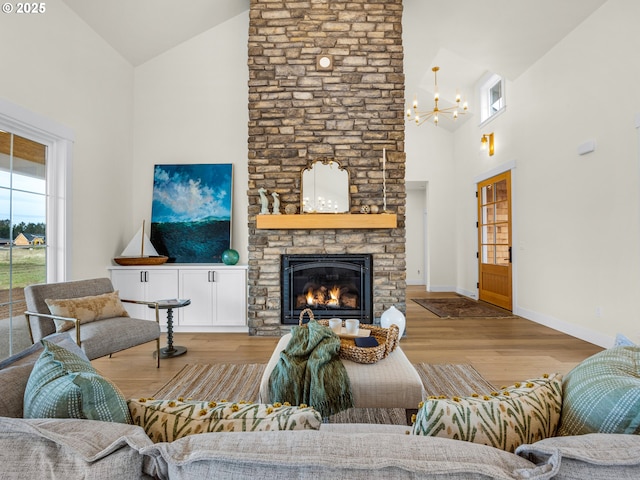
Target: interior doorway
495,241
416,233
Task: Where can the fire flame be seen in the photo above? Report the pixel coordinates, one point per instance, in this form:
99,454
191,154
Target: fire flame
334,296
323,296
310,297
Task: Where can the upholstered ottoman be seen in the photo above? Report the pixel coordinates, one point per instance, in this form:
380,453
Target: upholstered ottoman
389,383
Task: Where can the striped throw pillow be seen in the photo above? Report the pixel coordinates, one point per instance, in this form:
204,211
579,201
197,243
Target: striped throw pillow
63,385
602,394
523,413
168,420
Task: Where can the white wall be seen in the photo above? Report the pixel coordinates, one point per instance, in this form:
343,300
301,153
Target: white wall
430,160
577,229
415,239
191,107
55,66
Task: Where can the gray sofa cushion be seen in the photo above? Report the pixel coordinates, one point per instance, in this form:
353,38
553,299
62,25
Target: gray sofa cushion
68,449
98,337
595,456
15,371
317,455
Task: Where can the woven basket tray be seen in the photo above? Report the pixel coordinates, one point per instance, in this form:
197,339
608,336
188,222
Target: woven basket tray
387,342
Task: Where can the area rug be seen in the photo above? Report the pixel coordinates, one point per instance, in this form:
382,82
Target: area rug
228,381
457,307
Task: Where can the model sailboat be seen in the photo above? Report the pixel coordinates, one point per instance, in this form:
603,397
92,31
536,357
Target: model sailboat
140,251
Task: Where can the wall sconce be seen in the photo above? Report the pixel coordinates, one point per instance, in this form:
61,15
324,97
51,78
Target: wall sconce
487,143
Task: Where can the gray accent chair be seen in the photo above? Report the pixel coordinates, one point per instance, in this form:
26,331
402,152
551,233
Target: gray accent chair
98,338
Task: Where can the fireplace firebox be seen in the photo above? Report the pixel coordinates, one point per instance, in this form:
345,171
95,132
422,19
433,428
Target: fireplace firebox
330,285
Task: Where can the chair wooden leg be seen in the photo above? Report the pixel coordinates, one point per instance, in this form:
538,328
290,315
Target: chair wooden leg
158,352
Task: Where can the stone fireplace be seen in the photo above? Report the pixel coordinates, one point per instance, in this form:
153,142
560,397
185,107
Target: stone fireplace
302,109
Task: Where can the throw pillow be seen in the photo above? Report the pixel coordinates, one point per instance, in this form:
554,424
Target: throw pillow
623,341
602,394
86,309
523,413
168,420
63,385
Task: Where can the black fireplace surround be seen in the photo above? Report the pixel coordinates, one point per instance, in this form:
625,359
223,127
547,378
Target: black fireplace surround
330,285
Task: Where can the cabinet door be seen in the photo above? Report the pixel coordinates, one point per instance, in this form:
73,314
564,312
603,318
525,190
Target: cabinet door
148,285
161,285
198,286
130,284
231,298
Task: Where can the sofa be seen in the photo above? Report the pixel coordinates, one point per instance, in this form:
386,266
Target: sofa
87,448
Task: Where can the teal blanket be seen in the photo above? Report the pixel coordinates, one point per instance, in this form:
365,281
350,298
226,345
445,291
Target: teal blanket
310,371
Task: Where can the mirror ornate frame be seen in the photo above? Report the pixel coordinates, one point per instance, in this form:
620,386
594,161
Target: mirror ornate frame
325,187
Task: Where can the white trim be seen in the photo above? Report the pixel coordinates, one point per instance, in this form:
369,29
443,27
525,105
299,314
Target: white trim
588,335
483,124
21,118
425,244
497,170
442,288
59,141
467,293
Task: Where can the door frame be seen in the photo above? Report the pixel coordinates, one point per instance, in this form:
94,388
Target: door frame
502,168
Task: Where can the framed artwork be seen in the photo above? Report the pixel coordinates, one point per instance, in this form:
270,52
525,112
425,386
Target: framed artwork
191,211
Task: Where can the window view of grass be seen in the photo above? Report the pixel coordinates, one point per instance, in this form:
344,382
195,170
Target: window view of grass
19,266
27,266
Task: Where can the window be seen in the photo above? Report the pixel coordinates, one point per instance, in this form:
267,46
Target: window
492,96
34,216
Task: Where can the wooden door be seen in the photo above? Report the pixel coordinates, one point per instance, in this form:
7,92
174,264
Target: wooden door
494,240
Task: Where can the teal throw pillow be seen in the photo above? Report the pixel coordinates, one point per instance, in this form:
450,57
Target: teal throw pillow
63,385
602,394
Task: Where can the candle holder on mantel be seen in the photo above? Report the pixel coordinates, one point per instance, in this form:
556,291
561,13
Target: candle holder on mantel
384,180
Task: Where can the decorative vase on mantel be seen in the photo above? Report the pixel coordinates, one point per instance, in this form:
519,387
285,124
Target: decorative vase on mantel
393,316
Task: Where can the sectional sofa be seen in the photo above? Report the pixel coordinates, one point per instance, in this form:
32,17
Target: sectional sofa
84,448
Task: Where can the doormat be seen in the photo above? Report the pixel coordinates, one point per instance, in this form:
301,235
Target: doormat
457,307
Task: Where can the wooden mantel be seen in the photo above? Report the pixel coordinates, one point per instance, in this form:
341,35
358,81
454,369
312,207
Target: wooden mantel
311,221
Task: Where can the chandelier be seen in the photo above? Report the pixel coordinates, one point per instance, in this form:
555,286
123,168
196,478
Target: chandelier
419,117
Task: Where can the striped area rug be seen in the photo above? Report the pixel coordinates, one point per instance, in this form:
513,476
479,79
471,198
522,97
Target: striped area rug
228,381
217,381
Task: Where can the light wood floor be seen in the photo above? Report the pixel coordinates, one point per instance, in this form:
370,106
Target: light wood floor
503,350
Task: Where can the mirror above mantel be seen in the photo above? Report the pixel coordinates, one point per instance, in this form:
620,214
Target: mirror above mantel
325,190
325,187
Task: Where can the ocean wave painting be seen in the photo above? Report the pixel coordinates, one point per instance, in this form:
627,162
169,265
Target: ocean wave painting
191,211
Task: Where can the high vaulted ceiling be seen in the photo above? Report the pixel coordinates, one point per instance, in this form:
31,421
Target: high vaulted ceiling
465,38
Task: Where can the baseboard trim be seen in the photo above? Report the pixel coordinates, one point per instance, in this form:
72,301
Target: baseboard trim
442,288
577,331
467,293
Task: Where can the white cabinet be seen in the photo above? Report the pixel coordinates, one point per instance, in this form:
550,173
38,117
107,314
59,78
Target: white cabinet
218,297
148,284
218,294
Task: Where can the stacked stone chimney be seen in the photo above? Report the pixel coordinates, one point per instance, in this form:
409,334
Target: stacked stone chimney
300,111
